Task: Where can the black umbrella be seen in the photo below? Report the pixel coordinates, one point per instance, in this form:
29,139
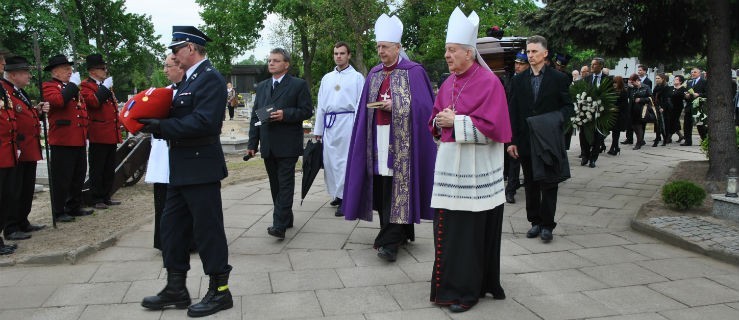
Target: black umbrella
312,163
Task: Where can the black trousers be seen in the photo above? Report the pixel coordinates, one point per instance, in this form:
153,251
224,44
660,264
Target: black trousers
68,167
615,136
675,120
160,199
513,174
281,173
230,112
591,151
541,198
467,256
688,124
24,184
7,177
194,211
102,171
391,235
629,135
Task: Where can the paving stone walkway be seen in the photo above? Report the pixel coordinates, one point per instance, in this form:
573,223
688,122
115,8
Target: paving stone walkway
596,267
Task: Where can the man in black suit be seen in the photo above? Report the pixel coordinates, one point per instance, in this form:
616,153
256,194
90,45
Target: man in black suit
641,71
540,90
696,89
193,207
281,105
590,151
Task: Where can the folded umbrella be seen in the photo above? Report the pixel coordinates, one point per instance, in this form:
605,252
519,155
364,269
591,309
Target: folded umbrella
312,163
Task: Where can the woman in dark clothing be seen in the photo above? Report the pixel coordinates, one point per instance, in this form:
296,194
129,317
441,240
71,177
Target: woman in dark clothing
677,103
623,121
662,93
638,97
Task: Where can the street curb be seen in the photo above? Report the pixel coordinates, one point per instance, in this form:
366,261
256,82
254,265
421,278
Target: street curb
644,227
77,254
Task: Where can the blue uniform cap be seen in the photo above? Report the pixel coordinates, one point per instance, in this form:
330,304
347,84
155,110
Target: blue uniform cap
521,57
182,34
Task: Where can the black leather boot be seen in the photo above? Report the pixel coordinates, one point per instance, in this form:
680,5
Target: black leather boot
216,299
174,293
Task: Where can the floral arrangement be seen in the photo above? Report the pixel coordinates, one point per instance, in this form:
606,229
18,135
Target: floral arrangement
595,110
699,114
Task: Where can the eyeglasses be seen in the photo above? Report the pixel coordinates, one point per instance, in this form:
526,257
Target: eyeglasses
175,49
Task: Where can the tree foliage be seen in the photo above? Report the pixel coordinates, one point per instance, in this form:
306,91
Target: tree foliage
81,27
234,26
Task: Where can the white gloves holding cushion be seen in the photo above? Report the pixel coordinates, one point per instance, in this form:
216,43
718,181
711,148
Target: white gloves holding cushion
108,82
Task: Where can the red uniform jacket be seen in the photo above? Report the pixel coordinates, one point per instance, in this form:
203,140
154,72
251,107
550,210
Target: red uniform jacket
67,114
103,111
8,148
27,121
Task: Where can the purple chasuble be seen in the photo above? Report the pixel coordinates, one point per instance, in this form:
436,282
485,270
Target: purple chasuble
412,149
476,93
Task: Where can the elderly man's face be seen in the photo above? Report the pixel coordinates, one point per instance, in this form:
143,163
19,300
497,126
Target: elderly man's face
62,72
172,69
277,65
695,73
595,66
584,71
388,52
458,58
20,78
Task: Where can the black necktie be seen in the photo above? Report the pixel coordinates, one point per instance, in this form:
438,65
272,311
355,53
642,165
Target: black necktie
274,85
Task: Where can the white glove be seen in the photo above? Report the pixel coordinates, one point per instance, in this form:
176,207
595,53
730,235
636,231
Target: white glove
108,82
75,78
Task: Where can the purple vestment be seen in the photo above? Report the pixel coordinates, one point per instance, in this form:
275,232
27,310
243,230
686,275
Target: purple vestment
412,149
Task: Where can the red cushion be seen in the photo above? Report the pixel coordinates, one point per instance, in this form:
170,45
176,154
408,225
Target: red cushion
152,103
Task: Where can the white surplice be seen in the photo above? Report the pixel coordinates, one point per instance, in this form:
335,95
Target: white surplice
338,97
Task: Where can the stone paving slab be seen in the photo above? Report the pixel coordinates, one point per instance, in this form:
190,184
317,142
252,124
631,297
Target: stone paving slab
596,267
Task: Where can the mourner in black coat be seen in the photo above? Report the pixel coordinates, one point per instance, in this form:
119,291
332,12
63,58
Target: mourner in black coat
281,105
526,101
696,89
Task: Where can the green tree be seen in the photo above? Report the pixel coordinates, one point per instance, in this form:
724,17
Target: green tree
251,60
234,26
81,27
659,31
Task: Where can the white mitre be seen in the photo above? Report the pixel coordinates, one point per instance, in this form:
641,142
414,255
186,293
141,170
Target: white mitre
388,29
463,30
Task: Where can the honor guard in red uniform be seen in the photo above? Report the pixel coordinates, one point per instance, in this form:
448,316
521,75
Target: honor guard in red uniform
103,130
67,139
17,77
8,157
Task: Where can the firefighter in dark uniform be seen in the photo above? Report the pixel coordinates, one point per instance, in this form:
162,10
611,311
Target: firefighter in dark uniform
67,139
8,157
103,130
197,166
17,77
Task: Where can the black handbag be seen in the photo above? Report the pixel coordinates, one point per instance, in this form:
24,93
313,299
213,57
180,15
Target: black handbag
648,114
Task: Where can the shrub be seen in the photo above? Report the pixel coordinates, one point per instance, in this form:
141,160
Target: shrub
705,145
683,194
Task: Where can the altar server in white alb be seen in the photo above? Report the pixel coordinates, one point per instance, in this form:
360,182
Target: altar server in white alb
338,98
470,117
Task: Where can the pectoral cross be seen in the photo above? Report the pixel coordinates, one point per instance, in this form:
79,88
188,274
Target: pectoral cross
385,96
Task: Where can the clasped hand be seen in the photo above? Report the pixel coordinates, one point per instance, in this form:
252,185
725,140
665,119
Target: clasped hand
445,118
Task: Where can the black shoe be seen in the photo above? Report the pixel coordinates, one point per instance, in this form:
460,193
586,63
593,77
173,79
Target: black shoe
656,143
339,211
592,164
457,308
546,235
272,231
174,293
81,212
112,202
533,232
680,138
498,294
510,198
216,299
18,235
335,202
627,142
583,161
637,147
613,152
64,218
100,205
686,144
33,227
387,254
6,249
